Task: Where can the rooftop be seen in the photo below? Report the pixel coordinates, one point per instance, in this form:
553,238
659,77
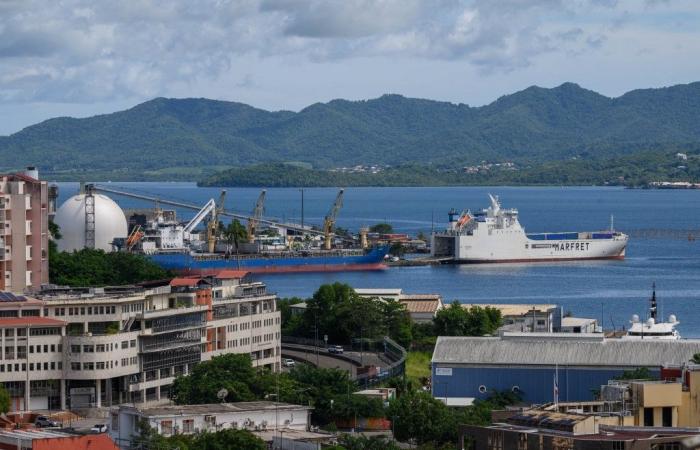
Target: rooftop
551,349
576,321
421,303
56,440
214,408
379,292
512,309
30,322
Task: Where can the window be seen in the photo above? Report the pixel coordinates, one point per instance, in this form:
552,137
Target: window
88,348
133,343
75,366
494,441
648,417
667,416
166,427
188,426
125,344
100,348
522,441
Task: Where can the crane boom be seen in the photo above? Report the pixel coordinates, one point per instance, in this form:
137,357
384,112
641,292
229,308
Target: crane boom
329,221
255,218
201,214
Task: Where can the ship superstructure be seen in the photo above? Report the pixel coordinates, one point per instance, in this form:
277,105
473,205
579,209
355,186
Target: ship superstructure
494,235
650,328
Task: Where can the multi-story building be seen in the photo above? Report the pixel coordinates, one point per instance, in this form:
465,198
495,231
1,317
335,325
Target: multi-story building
24,232
127,344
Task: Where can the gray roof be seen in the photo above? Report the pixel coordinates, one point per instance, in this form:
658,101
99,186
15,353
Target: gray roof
213,408
542,350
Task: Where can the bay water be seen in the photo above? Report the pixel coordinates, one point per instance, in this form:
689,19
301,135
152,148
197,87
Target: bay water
610,291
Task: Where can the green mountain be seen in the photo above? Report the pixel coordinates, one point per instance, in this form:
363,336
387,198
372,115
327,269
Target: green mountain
183,136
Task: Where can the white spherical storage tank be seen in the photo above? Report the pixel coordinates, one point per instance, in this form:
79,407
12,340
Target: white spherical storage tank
110,223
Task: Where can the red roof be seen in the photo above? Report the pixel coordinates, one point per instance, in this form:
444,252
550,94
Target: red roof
88,442
191,282
29,321
229,274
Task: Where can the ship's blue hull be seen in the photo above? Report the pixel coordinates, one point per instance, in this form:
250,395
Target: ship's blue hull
313,262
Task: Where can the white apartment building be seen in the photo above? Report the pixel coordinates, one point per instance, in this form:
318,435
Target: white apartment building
189,419
101,347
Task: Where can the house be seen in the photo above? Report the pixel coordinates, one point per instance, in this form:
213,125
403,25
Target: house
36,439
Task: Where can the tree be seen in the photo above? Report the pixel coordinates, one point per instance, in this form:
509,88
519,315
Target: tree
351,442
90,267
640,373
398,322
696,358
233,372
417,415
381,228
4,400
458,321
235,233
229,439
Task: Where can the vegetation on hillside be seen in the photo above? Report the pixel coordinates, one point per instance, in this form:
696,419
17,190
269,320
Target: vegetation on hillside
631,170
4,400
176,138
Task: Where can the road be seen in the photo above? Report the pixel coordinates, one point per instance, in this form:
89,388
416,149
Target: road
329,361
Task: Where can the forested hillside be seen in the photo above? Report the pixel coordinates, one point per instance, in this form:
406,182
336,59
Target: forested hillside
187,137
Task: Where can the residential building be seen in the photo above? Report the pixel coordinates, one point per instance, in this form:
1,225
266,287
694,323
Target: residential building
421,307
541,318
24,232
578,325
189,419
94,347
471,367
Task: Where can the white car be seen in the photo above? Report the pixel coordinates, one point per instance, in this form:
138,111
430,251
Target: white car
288,362
99,428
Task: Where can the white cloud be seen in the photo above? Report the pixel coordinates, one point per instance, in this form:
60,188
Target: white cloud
104,52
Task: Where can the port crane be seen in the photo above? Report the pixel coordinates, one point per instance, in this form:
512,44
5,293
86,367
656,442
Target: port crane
184,205
255,218
213,225
197,219
329,221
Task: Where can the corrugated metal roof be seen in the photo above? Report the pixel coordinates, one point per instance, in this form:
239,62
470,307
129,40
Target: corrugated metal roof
544,351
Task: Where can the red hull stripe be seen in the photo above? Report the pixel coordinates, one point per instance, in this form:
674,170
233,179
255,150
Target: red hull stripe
307,268
496,261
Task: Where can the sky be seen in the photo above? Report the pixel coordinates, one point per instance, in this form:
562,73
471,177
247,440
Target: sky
80,58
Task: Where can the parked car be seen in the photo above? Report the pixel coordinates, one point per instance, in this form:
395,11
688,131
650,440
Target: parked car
337,349
99,428
43,421
286,362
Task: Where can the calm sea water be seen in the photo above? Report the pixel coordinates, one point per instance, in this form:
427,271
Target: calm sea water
611,291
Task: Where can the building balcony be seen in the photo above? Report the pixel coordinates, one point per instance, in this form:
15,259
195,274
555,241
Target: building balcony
165,312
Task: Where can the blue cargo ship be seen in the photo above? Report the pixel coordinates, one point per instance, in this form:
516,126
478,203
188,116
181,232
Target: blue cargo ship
274,262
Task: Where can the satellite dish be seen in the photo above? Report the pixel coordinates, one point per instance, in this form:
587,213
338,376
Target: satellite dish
221,395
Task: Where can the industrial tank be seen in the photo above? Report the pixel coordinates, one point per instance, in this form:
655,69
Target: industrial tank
110,223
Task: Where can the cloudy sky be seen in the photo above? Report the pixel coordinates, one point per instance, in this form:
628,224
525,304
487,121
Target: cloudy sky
79,58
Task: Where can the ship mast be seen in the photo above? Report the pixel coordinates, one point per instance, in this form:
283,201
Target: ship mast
652,308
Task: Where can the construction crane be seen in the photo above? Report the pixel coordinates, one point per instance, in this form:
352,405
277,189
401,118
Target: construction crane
256,217
329,221
213,225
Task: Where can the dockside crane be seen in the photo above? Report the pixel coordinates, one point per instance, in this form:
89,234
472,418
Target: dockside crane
329,221
255,218
213,225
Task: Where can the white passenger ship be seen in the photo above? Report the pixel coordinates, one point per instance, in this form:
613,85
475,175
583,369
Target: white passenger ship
494,235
